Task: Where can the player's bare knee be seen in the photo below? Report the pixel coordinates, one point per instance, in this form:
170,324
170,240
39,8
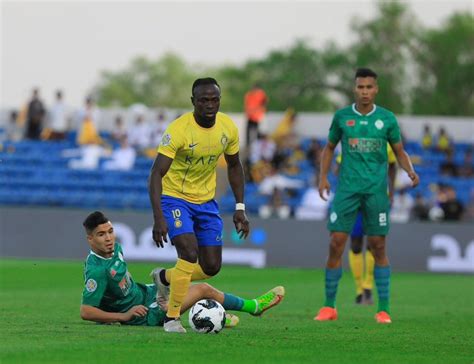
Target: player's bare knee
335,250
336,245
377,246
205,290
208,290
190,255
211,269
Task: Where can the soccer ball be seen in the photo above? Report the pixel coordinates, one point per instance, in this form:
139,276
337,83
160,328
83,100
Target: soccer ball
207,317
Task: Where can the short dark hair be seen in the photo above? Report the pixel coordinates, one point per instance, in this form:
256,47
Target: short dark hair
204,81
365,72
93,220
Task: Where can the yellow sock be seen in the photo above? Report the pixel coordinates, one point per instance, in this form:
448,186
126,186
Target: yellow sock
198,274
168,274
356,262
179,286
369,270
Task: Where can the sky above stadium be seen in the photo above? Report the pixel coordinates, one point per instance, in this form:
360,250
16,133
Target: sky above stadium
66,44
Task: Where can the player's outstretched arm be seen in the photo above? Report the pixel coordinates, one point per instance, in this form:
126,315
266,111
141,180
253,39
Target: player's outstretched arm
405,162
91,313
326,159
160,167
235,173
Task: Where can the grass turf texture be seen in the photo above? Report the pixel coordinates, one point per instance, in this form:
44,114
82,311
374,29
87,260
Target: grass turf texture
433,321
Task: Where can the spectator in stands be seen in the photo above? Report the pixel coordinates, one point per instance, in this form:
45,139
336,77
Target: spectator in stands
91,146
467,167
157,129
119,132
313,155
22,116
259,171
89,154
280,156
12,132
88,131
277,186
448,167
402,206
291,164
35,117
255,104
285,128
260,155
420,208
275,179
312,206
122,158
443,143
59,123
427,138
288,153
262,149
139,134
89,111
277,206
438,191
451,206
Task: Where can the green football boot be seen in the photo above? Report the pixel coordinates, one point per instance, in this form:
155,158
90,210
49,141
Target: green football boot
269,300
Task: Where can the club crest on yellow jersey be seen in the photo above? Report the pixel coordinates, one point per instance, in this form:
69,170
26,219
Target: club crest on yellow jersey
166,140
224,140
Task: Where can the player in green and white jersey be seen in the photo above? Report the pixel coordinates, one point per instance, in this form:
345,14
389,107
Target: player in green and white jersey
364,129
111,295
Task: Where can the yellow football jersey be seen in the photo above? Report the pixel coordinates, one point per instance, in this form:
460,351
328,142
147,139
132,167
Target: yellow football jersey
195,151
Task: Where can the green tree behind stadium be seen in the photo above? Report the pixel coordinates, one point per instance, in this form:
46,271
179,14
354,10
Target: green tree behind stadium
155,83
446,69
422,71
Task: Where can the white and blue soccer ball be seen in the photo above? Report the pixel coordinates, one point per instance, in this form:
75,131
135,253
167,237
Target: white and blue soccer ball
207,317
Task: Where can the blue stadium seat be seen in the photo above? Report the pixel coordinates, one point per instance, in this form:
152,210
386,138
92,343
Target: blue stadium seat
33,173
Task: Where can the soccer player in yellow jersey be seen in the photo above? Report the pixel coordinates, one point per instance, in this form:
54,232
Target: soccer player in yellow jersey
182,185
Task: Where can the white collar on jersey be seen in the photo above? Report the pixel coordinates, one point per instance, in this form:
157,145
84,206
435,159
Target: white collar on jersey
358,113
98,256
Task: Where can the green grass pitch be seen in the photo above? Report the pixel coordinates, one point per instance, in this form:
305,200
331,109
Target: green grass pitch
433,321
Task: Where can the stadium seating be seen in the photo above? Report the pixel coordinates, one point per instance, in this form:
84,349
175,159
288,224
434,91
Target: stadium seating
34,173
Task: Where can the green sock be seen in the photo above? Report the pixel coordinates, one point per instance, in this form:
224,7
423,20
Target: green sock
382,281
249,306
332,277
236,303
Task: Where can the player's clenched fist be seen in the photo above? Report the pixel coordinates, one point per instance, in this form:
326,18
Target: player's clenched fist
242,224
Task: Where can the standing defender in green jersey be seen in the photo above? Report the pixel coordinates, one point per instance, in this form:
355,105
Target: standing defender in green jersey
363,130
111,295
